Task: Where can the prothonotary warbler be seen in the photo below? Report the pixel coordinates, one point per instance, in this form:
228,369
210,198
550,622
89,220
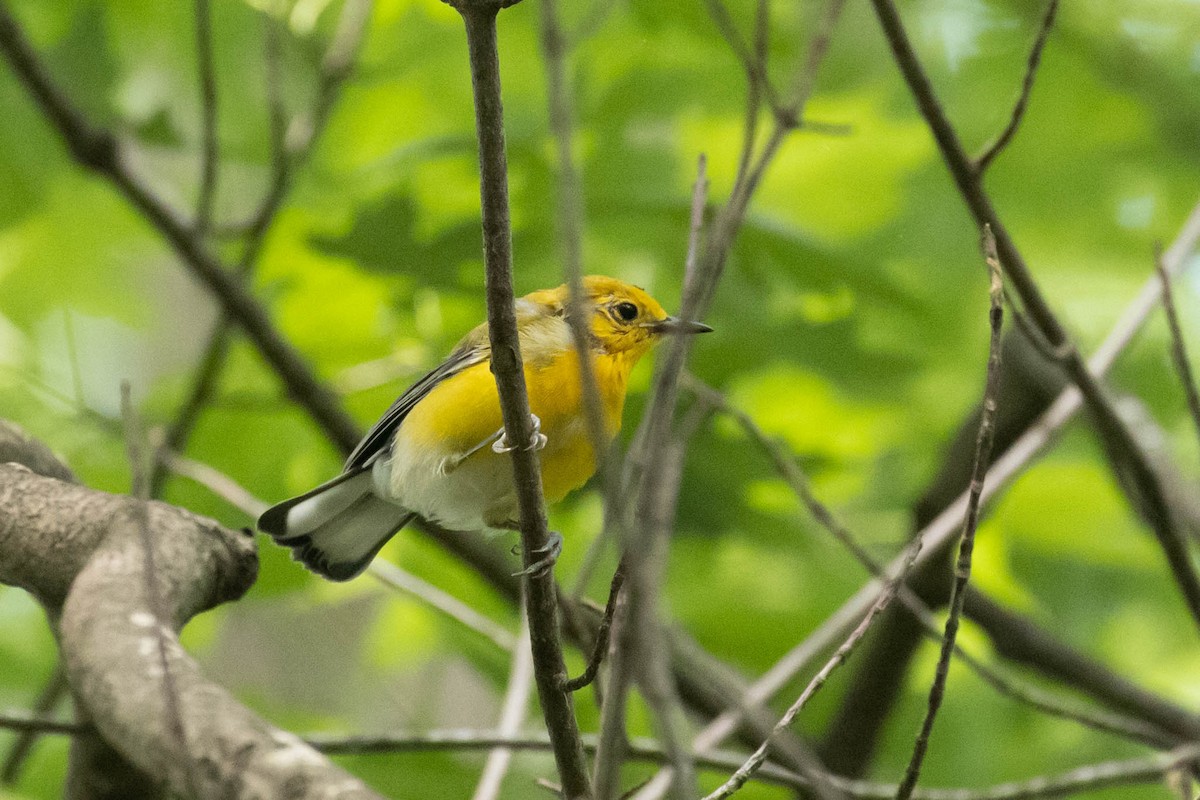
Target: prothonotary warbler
439,451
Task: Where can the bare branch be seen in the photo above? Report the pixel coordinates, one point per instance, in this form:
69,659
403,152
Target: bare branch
512,714
759,756
654,473
984,159
601,646
391,575
54,691
208,116
506,364
570,219
336,68
99,150
1113,433
1178,351
962,570
789,470
23,721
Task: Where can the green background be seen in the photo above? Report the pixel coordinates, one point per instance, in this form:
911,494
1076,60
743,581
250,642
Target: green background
851,323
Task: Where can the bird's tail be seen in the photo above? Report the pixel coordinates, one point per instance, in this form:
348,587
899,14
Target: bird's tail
337,528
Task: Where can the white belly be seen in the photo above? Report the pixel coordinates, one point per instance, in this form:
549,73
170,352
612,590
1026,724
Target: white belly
463,498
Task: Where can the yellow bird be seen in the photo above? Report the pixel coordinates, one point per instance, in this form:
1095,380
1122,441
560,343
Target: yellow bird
439,451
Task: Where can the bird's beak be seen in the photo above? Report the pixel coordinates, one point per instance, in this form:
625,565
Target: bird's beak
676,325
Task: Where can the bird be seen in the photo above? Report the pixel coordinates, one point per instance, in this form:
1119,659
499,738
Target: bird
439,451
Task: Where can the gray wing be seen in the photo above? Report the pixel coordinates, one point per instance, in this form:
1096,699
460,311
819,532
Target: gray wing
379,438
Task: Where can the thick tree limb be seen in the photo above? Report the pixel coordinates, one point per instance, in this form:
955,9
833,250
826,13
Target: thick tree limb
80,553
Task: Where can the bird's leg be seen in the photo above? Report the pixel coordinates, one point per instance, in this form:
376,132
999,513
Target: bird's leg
536,442
451,463
554,546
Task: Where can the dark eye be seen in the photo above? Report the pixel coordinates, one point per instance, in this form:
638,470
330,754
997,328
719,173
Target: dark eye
626,311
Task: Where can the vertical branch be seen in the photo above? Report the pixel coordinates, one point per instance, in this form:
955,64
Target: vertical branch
512,714
962,570
637,650
570,220
507,366
1178,351
208,116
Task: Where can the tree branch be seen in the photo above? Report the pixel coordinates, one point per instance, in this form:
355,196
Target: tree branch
1178,351
99,150
208,116
984,159
78,551
1114,434
962,570
507,366
336,68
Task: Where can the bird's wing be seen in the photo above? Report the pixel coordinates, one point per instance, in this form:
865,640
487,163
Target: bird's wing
471,351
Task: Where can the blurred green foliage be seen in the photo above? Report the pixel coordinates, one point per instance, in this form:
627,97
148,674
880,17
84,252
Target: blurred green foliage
851,324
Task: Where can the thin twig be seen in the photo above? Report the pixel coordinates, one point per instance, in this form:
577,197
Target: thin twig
1178,351
601,646
708,266
984,159
209,158
789,470
1114,434
753,63
1093,777
98,149
336,68
154,596
400,580
54,690
24,721
512,714
962,569
542,603
570,220
653,472
756,760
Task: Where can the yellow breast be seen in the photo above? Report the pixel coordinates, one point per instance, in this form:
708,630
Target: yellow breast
464,410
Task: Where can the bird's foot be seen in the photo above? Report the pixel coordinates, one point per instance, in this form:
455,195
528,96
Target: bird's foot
549,553
536,442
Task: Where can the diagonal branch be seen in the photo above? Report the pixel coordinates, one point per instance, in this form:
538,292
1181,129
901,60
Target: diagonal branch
1132,729
286,159
99,150
984,159
1113,432
1178,351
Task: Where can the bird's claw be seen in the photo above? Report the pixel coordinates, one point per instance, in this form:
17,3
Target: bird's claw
536,442
550,553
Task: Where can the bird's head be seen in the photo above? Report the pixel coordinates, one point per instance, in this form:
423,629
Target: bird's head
627,320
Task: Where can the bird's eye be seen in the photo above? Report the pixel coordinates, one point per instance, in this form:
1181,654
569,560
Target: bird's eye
627,311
